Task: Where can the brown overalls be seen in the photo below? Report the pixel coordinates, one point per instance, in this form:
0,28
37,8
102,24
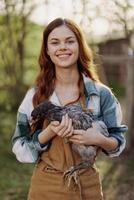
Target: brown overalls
49,183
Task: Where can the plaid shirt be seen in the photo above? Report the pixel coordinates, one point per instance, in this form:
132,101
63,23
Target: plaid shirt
99,99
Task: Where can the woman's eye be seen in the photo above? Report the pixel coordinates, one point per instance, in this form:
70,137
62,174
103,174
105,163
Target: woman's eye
54,43
71,41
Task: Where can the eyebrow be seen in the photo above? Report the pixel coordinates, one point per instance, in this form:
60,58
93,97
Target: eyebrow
70,37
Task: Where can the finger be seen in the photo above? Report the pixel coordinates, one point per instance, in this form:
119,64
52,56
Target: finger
55,123
70,133
70,125
69,129
62,124
64,132
66,126
78,132
58,126
66,120
75,137
74,141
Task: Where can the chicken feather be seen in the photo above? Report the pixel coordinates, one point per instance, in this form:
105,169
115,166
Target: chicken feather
80,120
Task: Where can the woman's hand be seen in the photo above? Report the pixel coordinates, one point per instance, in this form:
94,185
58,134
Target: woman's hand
63,129
91,136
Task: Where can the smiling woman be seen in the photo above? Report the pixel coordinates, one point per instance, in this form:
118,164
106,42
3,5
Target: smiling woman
63,49
66,77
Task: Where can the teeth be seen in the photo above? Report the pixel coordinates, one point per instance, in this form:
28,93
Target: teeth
64,55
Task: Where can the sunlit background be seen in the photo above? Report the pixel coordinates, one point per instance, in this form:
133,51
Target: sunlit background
93,15
71,9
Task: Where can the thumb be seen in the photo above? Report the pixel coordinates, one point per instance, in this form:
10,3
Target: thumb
55,123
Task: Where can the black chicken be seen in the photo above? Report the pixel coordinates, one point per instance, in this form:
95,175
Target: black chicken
80,120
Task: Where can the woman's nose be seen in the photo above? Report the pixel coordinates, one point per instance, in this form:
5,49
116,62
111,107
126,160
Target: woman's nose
63,46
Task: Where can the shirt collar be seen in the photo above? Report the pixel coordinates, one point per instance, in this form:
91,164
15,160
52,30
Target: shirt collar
54,99
89,89
89,86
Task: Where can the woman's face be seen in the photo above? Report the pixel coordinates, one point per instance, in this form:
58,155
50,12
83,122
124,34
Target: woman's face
63,47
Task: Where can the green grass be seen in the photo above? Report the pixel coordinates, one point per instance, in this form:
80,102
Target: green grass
14,176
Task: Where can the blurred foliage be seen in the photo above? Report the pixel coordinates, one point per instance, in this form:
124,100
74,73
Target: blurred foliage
14,176
16,76
18,63
117,88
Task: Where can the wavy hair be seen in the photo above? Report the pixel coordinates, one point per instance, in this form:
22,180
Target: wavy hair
45,81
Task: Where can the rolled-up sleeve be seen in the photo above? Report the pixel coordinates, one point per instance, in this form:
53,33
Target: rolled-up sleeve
26,147
112,117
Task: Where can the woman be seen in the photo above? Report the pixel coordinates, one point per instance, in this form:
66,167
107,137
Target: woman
66,76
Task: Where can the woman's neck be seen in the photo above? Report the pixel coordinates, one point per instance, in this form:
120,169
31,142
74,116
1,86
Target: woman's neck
66,78
66,88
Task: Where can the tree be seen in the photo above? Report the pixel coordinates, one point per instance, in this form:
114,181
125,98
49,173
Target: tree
13,30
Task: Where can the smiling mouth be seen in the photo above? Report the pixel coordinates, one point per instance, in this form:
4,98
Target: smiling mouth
63,55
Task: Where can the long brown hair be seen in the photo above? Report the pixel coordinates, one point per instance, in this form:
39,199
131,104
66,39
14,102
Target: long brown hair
45,81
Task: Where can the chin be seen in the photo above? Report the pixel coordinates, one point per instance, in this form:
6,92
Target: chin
67,65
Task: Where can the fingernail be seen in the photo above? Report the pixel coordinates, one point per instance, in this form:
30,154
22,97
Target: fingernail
56,123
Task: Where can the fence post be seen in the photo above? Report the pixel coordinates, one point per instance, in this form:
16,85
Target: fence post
130,101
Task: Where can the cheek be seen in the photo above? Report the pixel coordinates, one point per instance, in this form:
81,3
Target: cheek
49,51
52,58
51,54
